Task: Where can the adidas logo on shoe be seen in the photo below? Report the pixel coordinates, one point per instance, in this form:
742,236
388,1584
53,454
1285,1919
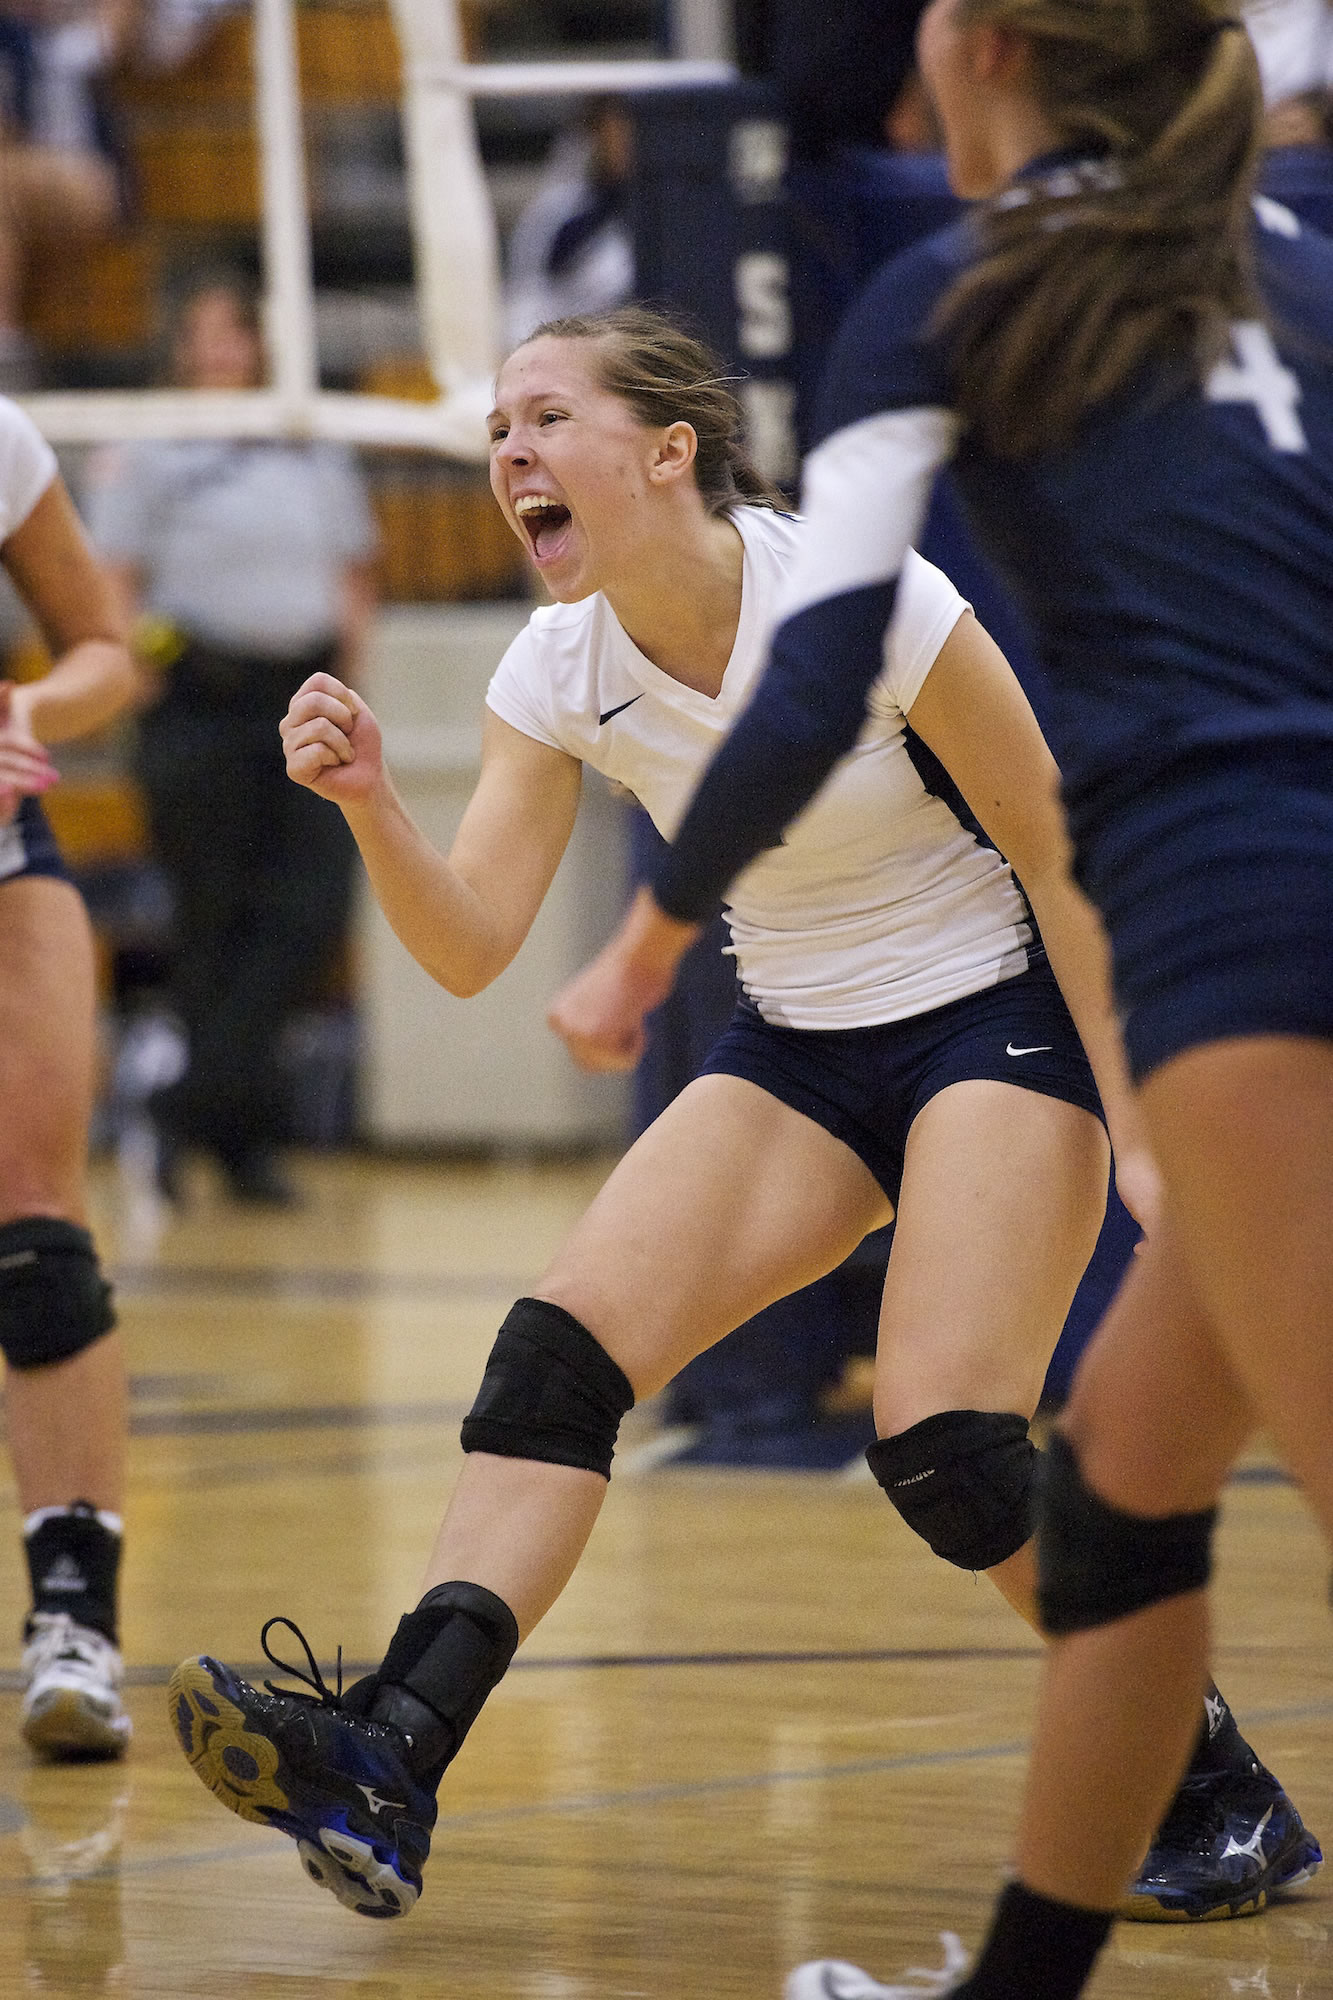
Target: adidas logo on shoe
65,1577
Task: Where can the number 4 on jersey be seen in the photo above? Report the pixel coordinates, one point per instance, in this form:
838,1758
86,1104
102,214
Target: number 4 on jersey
1257,376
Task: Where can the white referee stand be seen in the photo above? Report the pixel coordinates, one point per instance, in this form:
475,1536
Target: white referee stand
437,1070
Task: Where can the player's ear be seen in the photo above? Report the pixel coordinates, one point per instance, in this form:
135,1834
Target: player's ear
675,452
1000,55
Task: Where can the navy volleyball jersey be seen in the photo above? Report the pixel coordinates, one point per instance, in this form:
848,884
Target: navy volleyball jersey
1175,562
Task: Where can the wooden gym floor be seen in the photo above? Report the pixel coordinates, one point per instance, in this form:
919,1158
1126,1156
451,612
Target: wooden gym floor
762,1725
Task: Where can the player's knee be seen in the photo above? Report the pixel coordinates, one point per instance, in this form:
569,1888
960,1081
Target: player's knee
550,1392
963,1481
1096,1563
54,1301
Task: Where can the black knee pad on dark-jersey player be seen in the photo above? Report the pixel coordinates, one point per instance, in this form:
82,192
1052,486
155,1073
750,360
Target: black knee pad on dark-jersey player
54,1301
1096,1564
550,1392
963,1481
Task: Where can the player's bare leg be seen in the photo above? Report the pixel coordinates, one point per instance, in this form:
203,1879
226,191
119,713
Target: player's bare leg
65,1391
728,1202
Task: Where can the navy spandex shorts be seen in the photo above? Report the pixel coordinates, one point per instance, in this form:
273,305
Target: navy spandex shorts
1216,886
28,846
866,1085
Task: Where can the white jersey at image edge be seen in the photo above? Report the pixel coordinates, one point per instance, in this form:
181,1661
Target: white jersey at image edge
27,466
880,903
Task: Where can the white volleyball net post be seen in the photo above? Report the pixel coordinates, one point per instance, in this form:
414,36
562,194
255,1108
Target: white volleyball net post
454,240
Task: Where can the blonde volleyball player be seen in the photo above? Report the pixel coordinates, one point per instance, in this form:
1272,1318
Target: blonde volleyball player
64,1368
902,1048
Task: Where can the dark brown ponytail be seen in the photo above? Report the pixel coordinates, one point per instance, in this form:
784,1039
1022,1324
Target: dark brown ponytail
1085,276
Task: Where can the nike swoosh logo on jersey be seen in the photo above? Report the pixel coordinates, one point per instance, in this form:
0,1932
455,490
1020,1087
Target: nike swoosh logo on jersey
608,713
1041,1049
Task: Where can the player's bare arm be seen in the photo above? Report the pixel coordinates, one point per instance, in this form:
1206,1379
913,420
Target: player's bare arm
67,591
462,916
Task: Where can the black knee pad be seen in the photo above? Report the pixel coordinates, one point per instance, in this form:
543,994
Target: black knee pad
1096,1564
54,1301
550,1392
963,1481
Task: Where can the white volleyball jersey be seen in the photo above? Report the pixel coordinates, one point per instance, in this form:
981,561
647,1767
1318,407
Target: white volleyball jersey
882,901
27,466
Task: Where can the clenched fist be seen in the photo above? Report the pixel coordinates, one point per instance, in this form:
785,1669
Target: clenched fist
332,742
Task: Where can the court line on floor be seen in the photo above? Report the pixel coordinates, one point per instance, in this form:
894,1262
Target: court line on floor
242,1420
635,1797
245,1419
11,1679
277,1281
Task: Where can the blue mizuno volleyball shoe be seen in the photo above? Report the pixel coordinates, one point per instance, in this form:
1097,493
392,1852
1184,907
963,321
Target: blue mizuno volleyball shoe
342,1787
1231,1840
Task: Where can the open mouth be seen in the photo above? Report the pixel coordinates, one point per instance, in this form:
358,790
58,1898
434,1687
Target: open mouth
545,523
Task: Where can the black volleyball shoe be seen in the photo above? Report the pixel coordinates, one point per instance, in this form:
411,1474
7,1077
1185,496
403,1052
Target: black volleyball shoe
1231,1839
339,1785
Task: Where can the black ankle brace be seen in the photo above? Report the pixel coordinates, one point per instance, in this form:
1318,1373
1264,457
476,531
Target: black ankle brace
442,1662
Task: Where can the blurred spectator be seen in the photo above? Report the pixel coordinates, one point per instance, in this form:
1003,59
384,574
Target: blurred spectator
249,567
836,66
171,30
571,249
59,170
1294,43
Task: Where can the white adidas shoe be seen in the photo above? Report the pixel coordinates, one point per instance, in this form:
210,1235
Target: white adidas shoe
71,1703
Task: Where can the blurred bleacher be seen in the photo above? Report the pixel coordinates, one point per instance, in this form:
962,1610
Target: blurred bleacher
96,313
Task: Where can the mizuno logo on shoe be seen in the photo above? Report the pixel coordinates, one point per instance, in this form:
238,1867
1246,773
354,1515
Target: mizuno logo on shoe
377,1804
1253,1848
1042,1048
606,714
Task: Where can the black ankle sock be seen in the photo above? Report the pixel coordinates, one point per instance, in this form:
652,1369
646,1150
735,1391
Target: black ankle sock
442,1662
1219,1745
1038,1949
73,1563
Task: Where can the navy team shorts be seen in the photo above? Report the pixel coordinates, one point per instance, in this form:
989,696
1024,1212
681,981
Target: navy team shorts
28,846
1216,886
866,1085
